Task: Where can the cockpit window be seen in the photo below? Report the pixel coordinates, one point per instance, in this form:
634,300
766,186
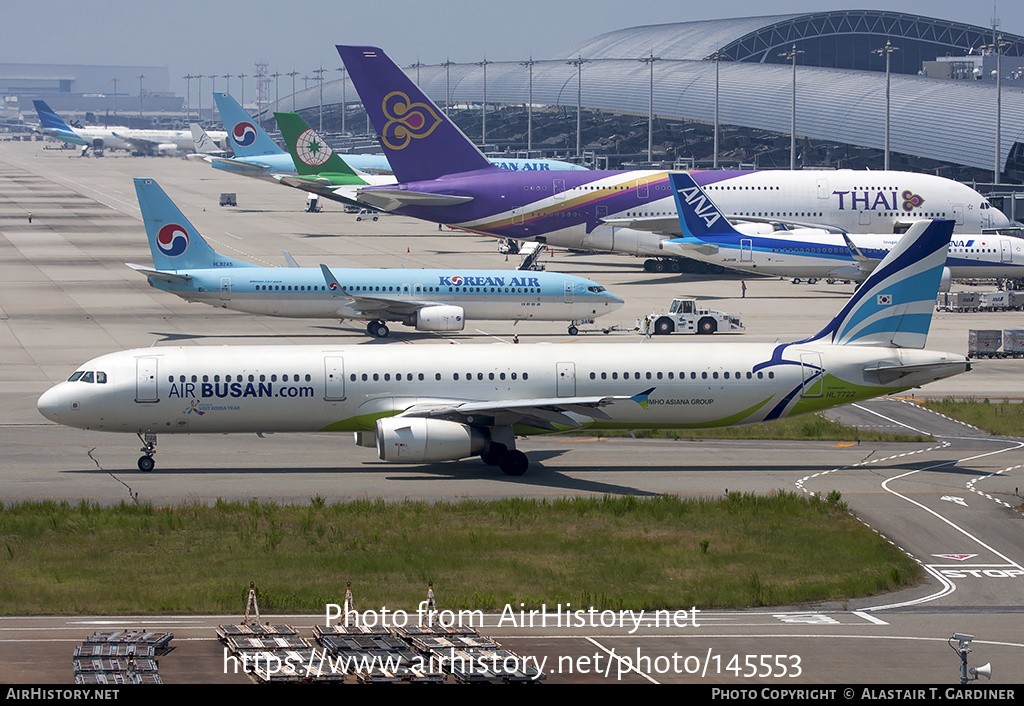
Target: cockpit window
101,378
88,377
596,290
74,376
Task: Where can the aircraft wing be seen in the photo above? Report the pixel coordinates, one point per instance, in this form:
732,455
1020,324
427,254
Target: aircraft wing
157,274
241,166
663,225
363,304
540,413
390,199
682,246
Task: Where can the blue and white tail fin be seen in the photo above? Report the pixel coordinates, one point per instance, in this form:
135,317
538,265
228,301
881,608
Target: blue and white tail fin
894,305
174,242
420,142
698,216
246,137
51,124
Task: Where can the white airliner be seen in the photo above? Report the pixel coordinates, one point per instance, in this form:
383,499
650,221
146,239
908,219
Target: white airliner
628,212
420,404
429,300
122,138
816,253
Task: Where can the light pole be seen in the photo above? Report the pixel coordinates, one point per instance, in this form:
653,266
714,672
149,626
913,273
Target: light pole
188,96
997,46
649,60
529,107
228,77
791,55
320,79
483,129
293,74
140,77
578,62
447,86
241,95
717,58
115,93
344,104
888,49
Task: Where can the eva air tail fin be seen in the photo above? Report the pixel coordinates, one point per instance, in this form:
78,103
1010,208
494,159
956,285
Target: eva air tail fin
174,242
310,152
894,305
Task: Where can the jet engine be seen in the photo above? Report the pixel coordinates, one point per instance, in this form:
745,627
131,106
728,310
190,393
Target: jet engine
441,318
167,148
623,240
420,440
947,279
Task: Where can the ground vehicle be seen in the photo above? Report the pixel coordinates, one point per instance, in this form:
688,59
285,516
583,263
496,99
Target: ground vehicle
684,316
367,214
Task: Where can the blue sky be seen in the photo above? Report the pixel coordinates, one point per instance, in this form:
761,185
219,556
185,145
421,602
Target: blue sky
191,37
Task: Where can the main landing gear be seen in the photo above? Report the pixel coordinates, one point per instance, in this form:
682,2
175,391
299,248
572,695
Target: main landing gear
146,462
502,452
378,329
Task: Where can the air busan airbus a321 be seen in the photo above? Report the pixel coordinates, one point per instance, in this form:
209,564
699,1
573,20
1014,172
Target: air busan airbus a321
815,253
444,178
429,300
426,404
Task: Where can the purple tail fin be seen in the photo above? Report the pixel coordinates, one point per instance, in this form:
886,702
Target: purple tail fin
418,139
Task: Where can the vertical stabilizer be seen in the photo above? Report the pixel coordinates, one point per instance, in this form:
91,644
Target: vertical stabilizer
173,241
247,138
310,152
698,215
894,305
420,142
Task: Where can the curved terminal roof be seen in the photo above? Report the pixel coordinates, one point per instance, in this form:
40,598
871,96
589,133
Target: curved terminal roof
945,120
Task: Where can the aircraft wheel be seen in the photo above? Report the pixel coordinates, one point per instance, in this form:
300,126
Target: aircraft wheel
675,266
382,331
707,325
573,330
664,326
494,453
146,464
658,266
796,280
649,265
812,280
514,463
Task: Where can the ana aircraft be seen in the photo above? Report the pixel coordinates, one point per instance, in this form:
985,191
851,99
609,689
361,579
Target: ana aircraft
258,155
420,404
445,179
815,253
120,138
429,300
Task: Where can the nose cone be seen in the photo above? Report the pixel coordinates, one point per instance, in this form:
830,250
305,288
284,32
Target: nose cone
49,404
614,301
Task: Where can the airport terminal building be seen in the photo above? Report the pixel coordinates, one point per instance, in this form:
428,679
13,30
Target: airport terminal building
943,88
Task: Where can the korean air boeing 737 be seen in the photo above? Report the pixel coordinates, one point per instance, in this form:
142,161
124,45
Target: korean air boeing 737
443,178
815,253
426,404
429,300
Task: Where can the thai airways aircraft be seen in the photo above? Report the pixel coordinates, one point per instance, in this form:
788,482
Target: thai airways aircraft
121,138
258,155
443,178
815,253
421,404
429,300
319,169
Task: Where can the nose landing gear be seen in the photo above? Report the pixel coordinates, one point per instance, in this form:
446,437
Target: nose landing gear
146,462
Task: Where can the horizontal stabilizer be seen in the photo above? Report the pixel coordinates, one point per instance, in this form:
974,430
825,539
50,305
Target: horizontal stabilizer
157,274
390,199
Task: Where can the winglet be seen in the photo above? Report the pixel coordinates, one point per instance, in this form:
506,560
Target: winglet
332,283
641,399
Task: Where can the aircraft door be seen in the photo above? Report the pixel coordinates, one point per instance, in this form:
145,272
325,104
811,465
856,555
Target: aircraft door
145,380
225,289
568,296
1005,251
864,218
558,189
334,377
566,379
823,192
746,250
813,373
958,213
641,189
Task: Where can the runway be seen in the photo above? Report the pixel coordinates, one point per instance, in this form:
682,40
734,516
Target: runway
66,296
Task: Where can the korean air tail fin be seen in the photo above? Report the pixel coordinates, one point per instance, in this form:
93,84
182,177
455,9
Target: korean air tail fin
420,142
247,138
310,153
894,305
174,242
698,215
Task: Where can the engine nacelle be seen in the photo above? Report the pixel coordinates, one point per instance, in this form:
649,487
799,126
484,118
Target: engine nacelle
420,440
441,318
167,148
946,281
623,240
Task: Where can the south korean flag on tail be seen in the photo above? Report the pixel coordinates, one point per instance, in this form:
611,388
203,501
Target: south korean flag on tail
884,300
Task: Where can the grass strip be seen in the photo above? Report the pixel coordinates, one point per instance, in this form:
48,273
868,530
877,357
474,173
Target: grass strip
659,552
1000,418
